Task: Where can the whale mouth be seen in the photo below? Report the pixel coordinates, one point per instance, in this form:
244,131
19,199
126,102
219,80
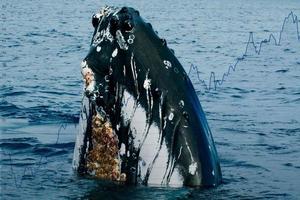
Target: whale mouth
102,151
98,146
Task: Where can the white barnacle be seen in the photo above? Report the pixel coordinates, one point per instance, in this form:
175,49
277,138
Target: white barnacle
91,87
98,49
171,116
110,72
122,149
103,35
98,15
193,168
93,96
213,172
106,88
124,70
87,144
167,64
85,71
106,78
165,124
130,41
181,103
121,41
83,64
147,83
131,36
109,36
114,53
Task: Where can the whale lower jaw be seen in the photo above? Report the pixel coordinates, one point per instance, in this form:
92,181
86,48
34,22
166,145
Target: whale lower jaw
153,156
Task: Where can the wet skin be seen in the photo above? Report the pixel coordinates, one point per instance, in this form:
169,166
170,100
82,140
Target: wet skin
127,58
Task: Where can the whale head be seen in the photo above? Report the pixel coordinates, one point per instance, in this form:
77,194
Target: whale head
141,120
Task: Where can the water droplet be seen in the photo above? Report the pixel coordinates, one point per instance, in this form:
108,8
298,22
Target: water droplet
192,168
147,84
98,49
167,64
171,116
181,103
114,53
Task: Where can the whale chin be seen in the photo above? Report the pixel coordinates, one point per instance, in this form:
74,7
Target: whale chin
141,121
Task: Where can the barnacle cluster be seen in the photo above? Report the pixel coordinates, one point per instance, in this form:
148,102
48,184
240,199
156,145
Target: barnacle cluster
103,159
88,77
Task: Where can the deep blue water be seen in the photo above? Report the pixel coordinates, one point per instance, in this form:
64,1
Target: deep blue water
254,115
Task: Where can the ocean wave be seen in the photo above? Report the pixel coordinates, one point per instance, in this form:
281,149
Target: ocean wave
37,114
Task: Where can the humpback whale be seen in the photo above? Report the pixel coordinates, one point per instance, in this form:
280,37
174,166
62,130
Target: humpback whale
141,121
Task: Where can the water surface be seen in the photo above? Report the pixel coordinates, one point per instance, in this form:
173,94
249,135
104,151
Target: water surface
254,114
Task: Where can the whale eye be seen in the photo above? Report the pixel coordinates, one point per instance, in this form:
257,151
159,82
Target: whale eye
96,20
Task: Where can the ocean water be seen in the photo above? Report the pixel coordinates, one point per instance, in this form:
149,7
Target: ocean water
254,114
